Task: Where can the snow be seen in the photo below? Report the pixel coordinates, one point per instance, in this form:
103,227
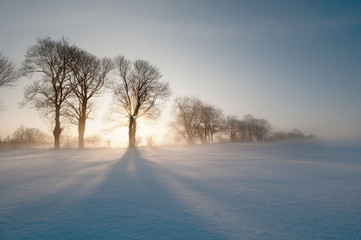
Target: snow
305,190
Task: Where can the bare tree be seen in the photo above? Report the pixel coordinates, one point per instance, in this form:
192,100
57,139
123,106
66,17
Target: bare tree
262,129
188,117
8,72
212,119
257,128
215,123
231,127
50,61
203,130
29,137
137,92
89,74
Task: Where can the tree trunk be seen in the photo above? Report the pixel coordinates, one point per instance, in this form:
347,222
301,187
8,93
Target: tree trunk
204,141
134,131
81,131
81,125
130,134
57,129
189,139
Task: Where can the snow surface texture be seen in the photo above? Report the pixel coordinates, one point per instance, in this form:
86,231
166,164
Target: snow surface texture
226,191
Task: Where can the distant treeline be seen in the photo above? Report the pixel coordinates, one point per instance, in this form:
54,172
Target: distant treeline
195,121
199,122
294,135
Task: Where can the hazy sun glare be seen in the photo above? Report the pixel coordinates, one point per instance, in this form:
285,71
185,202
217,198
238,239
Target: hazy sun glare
118,137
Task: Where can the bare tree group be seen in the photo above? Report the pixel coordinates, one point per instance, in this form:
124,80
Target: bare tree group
68,78
198,121
50,60
247,129
25,137
195,119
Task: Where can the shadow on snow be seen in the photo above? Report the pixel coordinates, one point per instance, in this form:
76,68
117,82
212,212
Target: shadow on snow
130,203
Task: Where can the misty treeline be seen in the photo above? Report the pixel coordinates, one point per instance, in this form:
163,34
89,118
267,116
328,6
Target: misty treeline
30,138
65,80
199,122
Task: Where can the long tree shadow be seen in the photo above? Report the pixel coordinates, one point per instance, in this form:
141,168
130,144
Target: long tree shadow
132,202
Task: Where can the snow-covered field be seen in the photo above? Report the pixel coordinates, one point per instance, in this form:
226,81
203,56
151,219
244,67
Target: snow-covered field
309,190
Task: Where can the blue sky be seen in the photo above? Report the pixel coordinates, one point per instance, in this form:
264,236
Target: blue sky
295,63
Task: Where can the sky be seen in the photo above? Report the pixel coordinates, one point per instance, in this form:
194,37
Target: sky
295,63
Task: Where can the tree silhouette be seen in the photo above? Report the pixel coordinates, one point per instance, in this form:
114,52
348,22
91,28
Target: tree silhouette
88,76
29,137
231,127
212,119
137,92
188,117
257,128
49,61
